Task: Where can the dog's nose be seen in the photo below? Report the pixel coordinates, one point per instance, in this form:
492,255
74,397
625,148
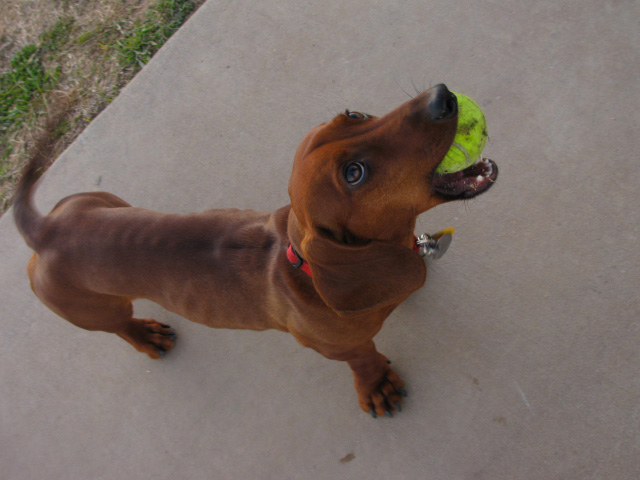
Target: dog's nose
442,103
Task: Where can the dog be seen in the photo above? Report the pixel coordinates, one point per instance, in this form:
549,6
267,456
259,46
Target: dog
328,268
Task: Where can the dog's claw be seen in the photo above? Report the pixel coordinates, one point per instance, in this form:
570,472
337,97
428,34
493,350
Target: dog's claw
165,325
161,351
381,396
388,362
173,337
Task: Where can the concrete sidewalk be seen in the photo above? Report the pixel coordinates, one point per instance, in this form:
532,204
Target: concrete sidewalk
521,354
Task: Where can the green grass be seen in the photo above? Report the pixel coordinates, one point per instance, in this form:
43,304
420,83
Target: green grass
26,80
162,21
53,40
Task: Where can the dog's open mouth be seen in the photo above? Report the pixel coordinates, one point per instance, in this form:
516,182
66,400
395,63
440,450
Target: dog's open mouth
466,183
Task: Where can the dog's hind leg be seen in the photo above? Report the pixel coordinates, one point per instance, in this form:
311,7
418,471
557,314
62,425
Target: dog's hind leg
149,336
101,312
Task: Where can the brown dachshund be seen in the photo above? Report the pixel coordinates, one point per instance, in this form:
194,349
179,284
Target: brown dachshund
329,268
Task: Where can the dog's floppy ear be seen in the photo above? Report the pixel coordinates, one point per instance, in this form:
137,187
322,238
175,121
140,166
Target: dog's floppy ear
355,278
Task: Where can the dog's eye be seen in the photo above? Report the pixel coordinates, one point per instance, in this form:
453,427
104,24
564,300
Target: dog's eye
354,173
356,115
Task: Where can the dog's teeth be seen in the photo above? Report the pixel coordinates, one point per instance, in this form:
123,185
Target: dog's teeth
489,164
479,178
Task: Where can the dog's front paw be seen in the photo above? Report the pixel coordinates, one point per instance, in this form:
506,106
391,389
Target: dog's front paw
383,396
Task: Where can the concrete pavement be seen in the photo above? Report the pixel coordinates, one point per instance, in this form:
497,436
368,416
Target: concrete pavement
521,353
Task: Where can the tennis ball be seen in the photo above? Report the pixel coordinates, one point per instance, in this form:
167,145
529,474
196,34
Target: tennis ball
470,138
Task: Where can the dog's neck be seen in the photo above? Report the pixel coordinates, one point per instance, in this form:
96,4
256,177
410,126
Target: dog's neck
297,232
294,231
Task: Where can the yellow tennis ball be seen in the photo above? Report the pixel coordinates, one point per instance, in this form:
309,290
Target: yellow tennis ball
470,138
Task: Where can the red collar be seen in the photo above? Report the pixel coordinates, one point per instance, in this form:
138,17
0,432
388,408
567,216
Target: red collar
298,262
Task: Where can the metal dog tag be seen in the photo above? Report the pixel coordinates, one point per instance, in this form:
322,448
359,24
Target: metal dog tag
435,246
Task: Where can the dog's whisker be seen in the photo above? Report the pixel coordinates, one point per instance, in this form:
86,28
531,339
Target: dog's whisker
403,90
414,87
424,82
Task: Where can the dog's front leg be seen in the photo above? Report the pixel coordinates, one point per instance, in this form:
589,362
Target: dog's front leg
379,388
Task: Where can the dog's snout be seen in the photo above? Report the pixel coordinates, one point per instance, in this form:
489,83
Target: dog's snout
442,103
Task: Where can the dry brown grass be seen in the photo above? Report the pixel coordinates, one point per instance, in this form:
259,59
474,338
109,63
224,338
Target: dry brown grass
86,56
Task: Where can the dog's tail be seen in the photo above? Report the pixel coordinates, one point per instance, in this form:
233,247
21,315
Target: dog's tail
27,218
